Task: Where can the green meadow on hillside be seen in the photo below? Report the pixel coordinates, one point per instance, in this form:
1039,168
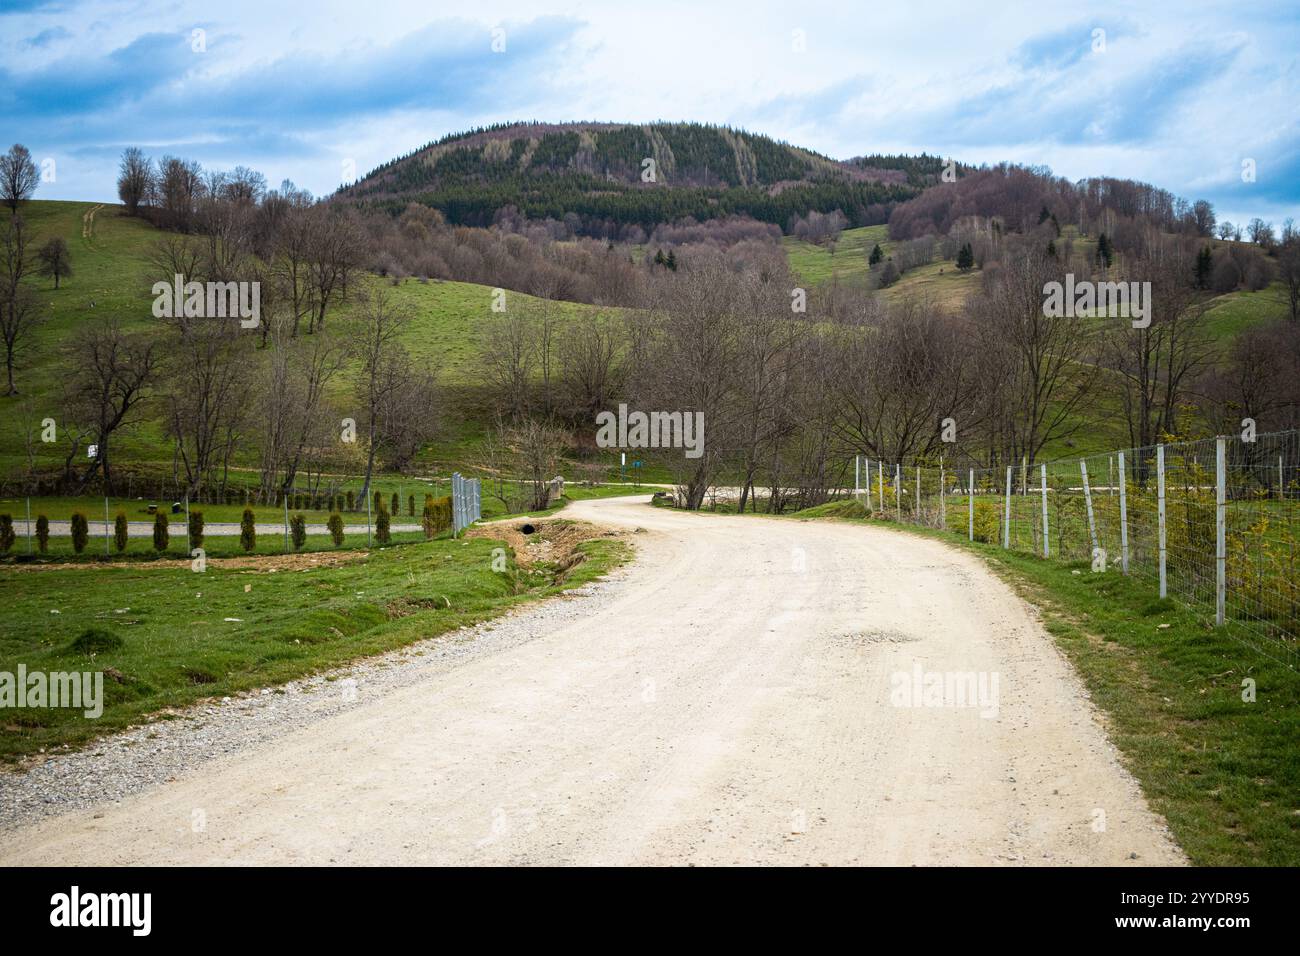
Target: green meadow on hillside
113,274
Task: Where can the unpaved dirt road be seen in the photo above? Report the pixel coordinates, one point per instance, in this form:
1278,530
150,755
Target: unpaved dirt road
738,701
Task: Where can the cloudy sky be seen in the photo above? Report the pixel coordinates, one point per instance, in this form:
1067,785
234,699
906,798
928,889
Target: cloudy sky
1176,93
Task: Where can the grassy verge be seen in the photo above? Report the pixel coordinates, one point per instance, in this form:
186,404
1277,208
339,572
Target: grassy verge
1224,771
167,637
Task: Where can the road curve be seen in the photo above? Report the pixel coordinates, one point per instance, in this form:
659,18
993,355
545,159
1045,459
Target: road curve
741,700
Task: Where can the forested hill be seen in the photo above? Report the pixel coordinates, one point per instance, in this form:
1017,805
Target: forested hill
598,172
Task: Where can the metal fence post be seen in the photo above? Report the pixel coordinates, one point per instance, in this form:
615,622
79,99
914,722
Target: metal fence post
1123,516
880,471
970,505
1160,512
106,525
1220,531
1006,515
1281,482
943,507
286,522
1087,497
857,475
1047,551
189,544
918,494
898,491
29,525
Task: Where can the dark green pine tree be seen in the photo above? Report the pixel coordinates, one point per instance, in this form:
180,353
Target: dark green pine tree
876,255
1051,248
1204,266
659,257
671,260
1105,254
965,257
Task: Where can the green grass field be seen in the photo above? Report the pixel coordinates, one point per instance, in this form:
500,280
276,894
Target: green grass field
185,636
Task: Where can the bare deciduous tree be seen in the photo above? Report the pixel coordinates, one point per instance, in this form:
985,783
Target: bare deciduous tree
18,176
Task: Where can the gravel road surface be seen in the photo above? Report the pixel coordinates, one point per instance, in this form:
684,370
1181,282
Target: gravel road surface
748,690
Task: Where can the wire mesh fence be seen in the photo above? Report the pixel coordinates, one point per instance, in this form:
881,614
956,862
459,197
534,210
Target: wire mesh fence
1213,523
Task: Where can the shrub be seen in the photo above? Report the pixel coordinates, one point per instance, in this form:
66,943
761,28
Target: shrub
396,508
248,530
121,531
298,531
352,501
437,515
410,504
196,529
95,640
161,536
80,532
335,525
382,534
42,533
6,533
986,522
379,502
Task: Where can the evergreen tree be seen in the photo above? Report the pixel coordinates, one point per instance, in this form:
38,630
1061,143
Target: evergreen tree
1105,254
248,530
161,534
965,257
1204,266
671,260
876,255
1051,248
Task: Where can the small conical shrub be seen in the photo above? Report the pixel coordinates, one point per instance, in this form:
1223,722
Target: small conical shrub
196,529
80,532
161,536
121,532
335,525
382,534
248,530
42,533
298,531
6,533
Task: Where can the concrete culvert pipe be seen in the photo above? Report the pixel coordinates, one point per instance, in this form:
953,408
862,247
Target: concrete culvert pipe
528,528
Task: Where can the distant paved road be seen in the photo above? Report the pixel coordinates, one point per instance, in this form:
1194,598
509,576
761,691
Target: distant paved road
144,529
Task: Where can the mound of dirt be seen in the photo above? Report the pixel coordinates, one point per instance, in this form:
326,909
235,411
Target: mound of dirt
554,540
